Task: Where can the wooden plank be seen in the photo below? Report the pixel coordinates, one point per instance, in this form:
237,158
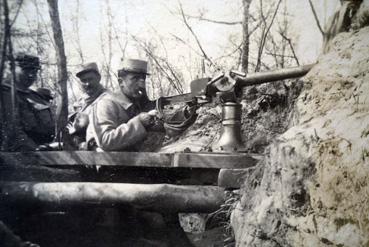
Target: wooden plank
112,174
86,158
157,197
214,160
133,159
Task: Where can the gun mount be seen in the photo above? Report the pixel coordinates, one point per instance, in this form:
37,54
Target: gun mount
226,89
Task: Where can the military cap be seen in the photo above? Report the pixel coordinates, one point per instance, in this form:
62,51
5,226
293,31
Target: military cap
87,68
134,66
27,61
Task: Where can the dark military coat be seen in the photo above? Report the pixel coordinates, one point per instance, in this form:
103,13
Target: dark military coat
34,124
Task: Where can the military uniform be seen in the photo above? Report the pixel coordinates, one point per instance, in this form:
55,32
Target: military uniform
34,121
114,124
77,134
34,124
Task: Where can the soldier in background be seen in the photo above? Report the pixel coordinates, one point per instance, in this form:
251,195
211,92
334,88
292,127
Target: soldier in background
90,78
33,123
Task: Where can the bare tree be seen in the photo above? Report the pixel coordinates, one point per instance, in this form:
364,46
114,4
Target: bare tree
62,113
245,35
265,32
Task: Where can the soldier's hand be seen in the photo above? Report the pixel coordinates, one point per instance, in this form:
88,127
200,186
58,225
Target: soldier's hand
146,119
71,128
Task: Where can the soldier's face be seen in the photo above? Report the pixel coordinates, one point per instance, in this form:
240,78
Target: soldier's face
26,76
133,85
90,82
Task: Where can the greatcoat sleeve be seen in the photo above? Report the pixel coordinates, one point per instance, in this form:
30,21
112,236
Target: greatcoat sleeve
112,128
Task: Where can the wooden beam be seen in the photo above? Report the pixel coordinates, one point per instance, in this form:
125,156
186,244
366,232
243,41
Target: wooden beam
86,158
157,197
110,174
142,159
212,160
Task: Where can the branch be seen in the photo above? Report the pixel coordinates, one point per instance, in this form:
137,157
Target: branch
186,43
17,13
201,18
238,48
260,52
194,35
316,18
291,47
177,86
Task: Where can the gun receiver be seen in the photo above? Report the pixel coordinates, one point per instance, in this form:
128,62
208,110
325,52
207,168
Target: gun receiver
226,87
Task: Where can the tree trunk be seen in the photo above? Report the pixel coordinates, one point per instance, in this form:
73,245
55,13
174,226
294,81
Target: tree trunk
157,197
8,123
245,36
62,112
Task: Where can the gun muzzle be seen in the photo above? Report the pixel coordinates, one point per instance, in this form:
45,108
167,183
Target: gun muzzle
270,76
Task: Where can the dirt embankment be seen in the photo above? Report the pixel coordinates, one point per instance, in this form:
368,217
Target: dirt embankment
312,189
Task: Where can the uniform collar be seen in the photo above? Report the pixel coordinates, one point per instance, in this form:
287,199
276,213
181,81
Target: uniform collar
89,99
123,99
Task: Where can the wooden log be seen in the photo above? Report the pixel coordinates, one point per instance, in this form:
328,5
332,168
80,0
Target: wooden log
156,197
146,159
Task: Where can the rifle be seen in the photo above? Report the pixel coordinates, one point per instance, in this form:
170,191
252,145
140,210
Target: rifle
226,88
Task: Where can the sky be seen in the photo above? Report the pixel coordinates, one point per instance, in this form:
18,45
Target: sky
154,19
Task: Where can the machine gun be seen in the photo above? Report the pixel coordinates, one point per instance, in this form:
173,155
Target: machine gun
225,89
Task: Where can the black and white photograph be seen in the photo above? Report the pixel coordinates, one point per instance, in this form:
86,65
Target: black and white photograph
164,123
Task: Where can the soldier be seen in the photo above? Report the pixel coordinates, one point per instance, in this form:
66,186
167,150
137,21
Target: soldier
120,121
90,78
34,123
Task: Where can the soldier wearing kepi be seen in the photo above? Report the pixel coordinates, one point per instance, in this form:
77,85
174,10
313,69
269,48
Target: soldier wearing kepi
90,78
34,123
120,121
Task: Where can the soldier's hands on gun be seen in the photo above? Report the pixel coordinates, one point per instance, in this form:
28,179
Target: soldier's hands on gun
151,121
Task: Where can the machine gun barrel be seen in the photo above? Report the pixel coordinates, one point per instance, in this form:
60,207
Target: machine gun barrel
251,79
270,76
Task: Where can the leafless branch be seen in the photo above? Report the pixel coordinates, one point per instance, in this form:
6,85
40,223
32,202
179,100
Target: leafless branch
121,47
77,33
43,22
265,33
316,18
175,82
17,13
194,35
185,43
278,55
291,47
201,18
238,48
